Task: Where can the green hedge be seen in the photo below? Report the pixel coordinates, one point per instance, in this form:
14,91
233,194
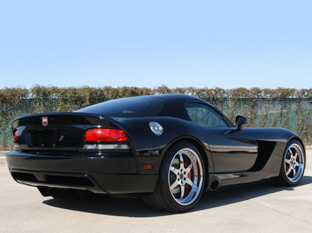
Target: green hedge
288,108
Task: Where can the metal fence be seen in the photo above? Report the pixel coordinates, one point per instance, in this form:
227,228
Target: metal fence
291,113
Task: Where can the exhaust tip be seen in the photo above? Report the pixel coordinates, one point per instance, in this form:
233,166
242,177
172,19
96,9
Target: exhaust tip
214,185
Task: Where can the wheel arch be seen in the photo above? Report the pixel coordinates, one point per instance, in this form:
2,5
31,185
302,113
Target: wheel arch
299,140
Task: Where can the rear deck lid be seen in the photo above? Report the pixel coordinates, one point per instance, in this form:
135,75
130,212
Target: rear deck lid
54,131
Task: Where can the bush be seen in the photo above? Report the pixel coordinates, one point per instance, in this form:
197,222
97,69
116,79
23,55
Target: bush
281,107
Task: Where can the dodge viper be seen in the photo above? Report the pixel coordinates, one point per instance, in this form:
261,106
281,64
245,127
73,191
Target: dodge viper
167,149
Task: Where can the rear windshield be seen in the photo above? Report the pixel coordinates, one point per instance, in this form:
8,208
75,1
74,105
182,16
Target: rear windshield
143,106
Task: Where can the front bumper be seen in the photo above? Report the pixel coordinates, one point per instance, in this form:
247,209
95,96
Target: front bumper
107,175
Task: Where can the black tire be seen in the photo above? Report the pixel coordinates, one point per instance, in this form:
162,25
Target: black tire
181,180
293,164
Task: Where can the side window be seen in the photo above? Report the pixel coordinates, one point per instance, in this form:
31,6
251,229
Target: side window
204,115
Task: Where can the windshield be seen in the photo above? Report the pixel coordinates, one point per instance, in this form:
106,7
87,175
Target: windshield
143,106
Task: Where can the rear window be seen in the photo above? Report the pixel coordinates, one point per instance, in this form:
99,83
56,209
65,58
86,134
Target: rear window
143,106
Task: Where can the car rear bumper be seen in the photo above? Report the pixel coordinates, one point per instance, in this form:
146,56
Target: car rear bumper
107,175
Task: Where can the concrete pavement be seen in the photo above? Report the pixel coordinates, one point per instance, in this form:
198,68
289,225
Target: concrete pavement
259,207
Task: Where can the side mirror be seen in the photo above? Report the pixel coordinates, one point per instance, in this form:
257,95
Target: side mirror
240,121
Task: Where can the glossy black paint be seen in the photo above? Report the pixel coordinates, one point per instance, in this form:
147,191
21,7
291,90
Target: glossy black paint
231,155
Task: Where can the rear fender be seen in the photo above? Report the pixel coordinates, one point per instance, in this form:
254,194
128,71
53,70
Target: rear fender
151,148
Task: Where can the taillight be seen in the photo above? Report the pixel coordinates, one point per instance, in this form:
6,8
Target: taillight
105,135
106,139
16,136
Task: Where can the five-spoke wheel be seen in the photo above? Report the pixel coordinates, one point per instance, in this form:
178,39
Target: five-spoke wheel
185,176
293,164
181,179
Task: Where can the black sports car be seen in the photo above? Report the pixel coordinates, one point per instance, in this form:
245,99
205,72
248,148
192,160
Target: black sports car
167,148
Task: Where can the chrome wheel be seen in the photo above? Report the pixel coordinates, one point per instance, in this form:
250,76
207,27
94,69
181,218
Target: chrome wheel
294,163
185,176
181,179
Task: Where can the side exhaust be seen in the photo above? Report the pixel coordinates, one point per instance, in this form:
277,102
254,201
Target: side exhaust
214,183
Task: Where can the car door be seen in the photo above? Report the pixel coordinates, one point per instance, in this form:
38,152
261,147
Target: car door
232,150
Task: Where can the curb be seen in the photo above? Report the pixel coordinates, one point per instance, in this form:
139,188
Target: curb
3,153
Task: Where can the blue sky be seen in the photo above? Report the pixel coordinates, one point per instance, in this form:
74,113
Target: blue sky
226,44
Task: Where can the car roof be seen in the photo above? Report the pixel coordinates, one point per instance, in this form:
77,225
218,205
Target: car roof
175,105
178,98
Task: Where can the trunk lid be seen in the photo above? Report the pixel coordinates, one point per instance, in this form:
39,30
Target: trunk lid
55,131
